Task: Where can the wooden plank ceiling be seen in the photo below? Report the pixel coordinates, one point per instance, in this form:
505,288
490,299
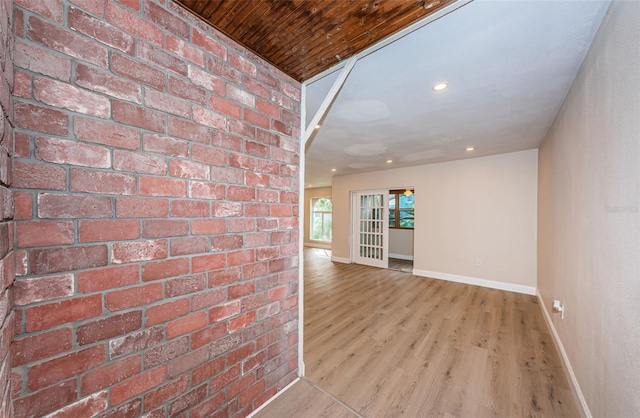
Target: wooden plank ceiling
305,37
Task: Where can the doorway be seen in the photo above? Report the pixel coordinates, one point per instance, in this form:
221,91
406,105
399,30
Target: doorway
401,223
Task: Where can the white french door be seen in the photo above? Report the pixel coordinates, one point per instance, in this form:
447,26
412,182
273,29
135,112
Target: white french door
371,228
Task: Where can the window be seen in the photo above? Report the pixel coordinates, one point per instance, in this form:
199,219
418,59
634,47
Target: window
321,219
401,209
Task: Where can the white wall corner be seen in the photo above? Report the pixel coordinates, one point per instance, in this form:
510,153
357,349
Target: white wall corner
583,408
511,287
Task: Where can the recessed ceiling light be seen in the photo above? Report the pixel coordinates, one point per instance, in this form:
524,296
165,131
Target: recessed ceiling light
310,185
469,149
389,161
333,169
440,86
317,126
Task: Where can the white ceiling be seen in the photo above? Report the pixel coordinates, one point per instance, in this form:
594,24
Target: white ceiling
509,65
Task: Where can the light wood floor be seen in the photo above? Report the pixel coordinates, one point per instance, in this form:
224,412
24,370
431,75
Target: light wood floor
386,343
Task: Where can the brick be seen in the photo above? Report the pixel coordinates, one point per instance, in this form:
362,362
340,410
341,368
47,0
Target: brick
241,321
256,240
129,252
226,242
167,311
190,209
208,262
224,378
165,352
188,362
30,349
188,130
281,100
54,260
208,226
51,9
226,209
133,207
256,210
164,228
137,162
39,60
251,393
208,44
240,290
225,106
39,289
108,230
187,90
253,361
137,71
268,79
242,161
41,119
188,169
243,64
63,151
225,311
53,371
240,258
135,342
58,206
188,246
100,30
166,392
94,6
137,385
163,269
291,91
210,118
198,190
21,145
107,278
133,296
110,374
155,186
159,57
226,276
240,385
256,87
68,43
132,23
256,180
241,225
103,82
188,400
208,155
101,182
90,406
47,400
186,325
227,141
106,133
106,328
141,117
208,298
208,370
165,145
131,409
185,285
167,103
184,49
43,234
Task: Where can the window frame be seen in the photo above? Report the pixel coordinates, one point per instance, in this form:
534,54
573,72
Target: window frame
396,210
323,213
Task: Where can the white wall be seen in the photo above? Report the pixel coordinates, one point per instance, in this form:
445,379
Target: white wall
401,243
589,221
308,195
476,208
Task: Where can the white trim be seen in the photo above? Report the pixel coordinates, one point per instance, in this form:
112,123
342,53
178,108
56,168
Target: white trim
394,37
575,387
301,232
401,256
511,287
341,260
318,244
271,399
326,103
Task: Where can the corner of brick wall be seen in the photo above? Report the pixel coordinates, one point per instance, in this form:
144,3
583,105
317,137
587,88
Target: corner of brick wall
156,181
7,263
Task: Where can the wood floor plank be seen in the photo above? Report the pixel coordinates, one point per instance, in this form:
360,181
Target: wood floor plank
387,343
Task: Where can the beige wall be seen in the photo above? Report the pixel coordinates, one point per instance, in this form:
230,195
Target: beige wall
477,208
401,242
308,195
589,225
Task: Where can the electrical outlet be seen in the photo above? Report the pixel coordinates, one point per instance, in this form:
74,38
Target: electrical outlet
478,262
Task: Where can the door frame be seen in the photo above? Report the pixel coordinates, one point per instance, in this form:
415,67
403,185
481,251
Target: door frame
355,225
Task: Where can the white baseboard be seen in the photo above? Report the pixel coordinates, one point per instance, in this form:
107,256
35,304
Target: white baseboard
317,245
575,387
341,259
401,256
517,288
271,399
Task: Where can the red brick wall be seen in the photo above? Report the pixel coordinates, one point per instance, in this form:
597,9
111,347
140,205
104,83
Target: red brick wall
155,179
7,260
